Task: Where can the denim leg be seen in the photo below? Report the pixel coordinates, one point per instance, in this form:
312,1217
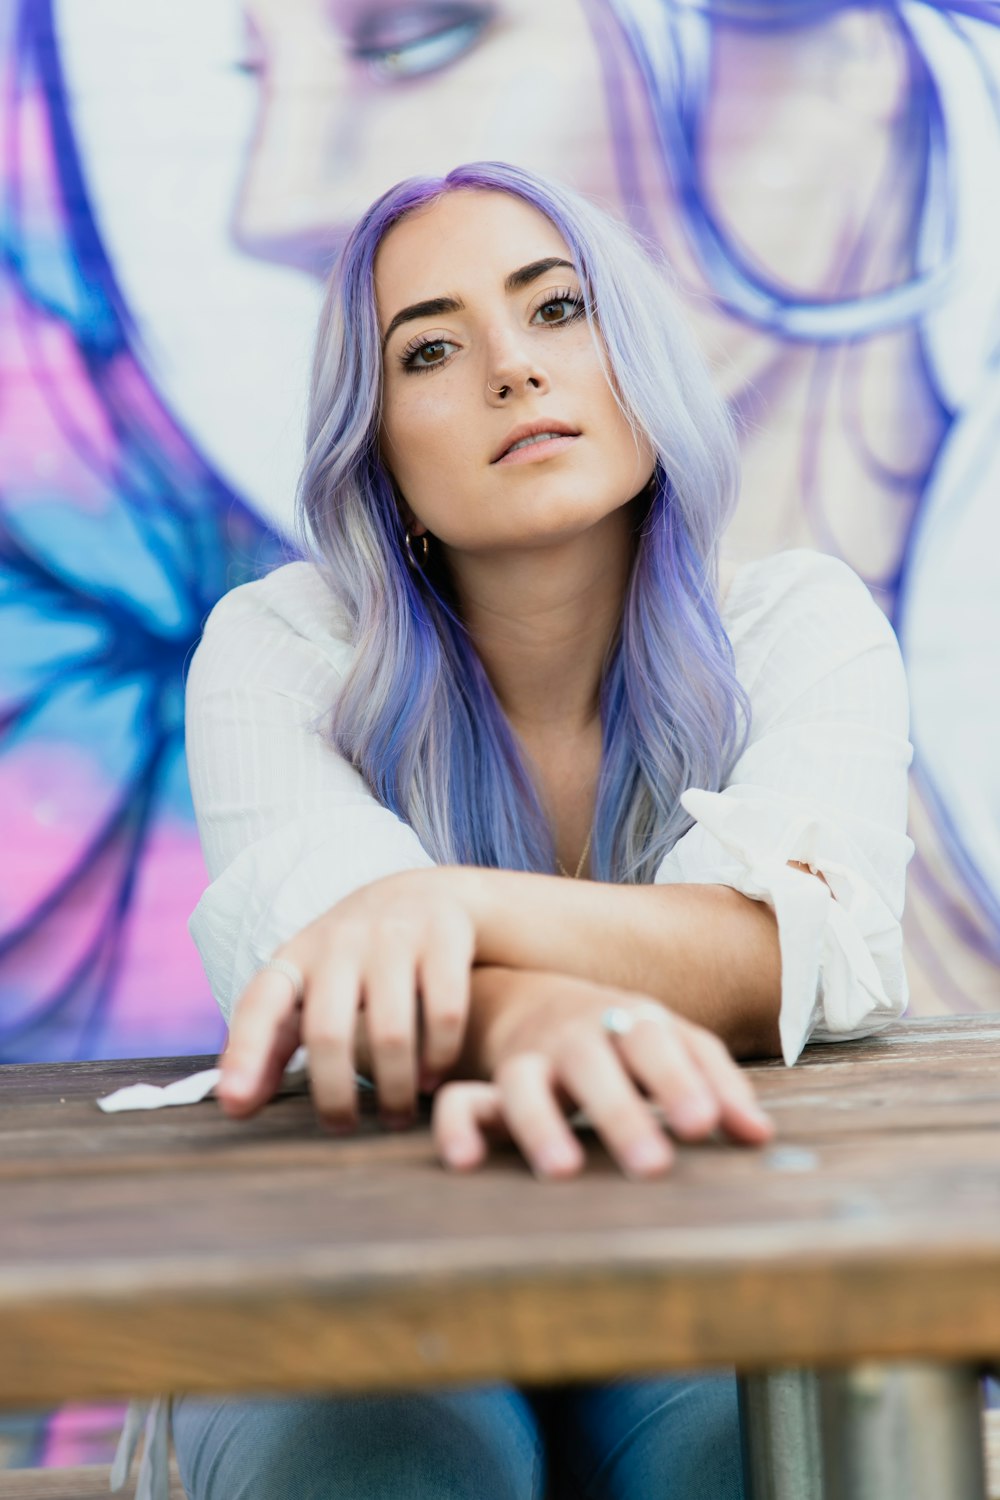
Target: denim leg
659,1438
438,1444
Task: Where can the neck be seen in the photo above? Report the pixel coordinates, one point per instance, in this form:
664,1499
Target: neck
542,619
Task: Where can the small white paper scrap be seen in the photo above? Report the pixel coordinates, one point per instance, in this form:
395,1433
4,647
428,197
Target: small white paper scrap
190,1090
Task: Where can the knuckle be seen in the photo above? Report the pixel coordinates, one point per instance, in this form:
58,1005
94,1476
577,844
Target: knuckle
448,1019
346,933
719,1058
576,1043
714,1044
519,1064
390,1039
622,1119
323,1036
397,926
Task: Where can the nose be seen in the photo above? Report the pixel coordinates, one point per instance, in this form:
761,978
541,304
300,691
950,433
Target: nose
512,367
292,204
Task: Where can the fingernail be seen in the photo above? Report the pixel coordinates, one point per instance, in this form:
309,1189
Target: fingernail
647,1156
237,1084
695,1111
461,1153
557,1158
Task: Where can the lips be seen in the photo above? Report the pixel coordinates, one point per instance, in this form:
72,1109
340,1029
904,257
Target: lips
533,429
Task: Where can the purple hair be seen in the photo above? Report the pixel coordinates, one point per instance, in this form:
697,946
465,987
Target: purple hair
416,713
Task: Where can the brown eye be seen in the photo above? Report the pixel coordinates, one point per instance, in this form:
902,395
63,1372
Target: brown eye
559,310
426,356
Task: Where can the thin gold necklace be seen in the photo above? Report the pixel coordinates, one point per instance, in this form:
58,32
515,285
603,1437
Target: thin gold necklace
576,874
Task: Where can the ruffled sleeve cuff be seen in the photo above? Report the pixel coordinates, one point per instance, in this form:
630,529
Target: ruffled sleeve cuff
842,973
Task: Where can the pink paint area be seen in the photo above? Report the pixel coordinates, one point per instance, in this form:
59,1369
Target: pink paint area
130,389
79,1435
161,1004
35,178
536,453
157,1002
56,800
37,458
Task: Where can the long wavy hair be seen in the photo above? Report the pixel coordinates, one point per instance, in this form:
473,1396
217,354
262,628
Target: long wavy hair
416,713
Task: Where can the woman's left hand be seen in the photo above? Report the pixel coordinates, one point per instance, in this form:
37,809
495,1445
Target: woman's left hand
549,1051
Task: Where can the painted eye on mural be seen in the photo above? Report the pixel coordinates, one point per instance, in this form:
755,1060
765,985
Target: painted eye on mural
419,39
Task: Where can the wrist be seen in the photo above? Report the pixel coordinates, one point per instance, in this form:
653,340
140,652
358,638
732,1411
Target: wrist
495,996
470,886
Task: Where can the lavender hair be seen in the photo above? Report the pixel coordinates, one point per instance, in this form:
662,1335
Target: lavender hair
416,713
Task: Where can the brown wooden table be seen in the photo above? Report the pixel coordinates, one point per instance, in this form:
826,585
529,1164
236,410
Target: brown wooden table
851,1272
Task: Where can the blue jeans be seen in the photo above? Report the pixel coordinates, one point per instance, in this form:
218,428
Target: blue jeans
661,1438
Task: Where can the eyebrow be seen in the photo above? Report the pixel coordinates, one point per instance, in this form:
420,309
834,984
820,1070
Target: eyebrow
436,306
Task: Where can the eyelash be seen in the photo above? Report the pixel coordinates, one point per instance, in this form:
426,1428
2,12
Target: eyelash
430,53
408,357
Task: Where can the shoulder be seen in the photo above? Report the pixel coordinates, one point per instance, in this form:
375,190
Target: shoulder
793,582
292,601
799,607
810,642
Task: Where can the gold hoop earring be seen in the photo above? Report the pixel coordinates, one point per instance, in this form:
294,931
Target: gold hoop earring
425,550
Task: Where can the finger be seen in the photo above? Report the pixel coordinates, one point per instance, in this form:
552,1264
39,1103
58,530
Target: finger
329,1023
655,1053
594,1074
263,1033
739,1112
534,1119
462,1114
445,981
390,987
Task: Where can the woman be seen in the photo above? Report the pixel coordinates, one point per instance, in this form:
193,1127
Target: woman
511,658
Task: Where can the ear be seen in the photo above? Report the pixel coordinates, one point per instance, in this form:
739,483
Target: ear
409,520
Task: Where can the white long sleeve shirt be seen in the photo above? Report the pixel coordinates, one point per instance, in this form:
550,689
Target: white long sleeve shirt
288,827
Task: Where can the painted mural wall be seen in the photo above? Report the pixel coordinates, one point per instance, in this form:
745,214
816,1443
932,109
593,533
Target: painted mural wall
176,181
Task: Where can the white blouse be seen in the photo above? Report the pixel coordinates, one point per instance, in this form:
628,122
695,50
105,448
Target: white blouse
288,827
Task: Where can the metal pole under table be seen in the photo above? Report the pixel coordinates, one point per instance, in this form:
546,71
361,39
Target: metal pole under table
869,1432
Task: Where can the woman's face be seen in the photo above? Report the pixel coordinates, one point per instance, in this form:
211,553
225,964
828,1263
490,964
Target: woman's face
358,94
508,319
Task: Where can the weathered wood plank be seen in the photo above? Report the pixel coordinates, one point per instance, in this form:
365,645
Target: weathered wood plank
180,1250
44,1132
86,1482
346,1276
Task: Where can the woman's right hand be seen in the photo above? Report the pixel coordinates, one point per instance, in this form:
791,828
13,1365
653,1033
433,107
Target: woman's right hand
405,936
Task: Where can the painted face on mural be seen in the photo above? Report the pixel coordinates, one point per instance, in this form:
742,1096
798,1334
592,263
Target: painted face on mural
357,94
445,435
